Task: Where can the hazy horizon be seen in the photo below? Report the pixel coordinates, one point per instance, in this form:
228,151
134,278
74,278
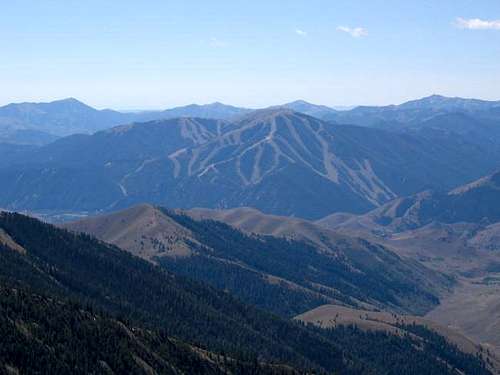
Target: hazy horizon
145,109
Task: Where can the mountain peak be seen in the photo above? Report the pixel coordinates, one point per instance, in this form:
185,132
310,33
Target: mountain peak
69,104
70,100
218,104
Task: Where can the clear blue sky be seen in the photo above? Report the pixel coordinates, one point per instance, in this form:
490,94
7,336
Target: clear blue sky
155,54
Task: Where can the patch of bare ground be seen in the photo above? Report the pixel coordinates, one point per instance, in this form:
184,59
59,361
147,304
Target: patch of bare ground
6,240
474,309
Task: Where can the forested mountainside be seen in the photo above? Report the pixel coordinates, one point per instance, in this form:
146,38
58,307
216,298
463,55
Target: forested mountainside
52,335
276,160
352,272
55,263
64,264
283,275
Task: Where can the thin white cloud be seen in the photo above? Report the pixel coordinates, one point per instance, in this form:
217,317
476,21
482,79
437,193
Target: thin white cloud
477,24
355,32
300,32
217,43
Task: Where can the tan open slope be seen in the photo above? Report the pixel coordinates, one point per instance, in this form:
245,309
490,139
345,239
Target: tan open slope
6,240
142,230
329,316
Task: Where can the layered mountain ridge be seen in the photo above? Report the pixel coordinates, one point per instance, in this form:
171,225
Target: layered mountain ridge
41,123
419,113
313,264
471,203
276,160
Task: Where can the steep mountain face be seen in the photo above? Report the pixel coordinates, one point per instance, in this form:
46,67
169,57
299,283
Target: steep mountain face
130,143
112,167
302,263
276,160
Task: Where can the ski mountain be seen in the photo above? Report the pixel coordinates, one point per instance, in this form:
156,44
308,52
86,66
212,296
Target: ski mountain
275,160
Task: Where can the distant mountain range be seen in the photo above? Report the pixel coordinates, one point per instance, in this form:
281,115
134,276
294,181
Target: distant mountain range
451,114
276,160
55,119
41,123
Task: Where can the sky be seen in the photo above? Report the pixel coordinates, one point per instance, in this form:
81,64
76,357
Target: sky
126,54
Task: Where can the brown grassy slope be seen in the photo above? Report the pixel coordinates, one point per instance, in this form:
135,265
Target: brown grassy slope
142,230
329,316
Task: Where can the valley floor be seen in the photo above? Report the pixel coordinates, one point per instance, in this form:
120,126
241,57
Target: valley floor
474,309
